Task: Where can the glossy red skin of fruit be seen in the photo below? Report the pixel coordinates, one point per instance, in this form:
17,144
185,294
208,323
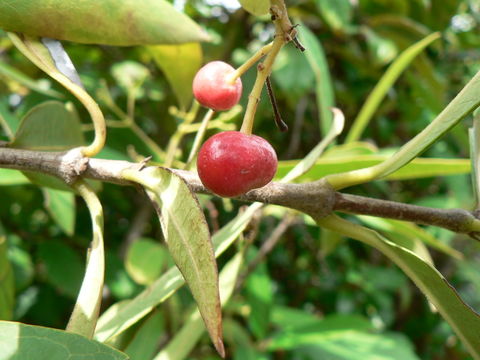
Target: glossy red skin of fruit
211,89
231,163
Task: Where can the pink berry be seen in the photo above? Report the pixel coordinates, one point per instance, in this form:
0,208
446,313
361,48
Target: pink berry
211,88
232,163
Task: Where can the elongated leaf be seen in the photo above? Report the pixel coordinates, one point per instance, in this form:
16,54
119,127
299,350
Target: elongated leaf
413,231
51,125
336,336
7,282
463,104
145,342
12,177
23,79
188,239
384,85
407,241
120,317
61,207
19,342
418,168
463,319
55,257
256,7
347,345
291,319
324,88
85,313
304,165
186,338
179,64
146,260
336,13
109,22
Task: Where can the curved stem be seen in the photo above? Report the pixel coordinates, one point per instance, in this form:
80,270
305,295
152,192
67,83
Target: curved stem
249,63
37,53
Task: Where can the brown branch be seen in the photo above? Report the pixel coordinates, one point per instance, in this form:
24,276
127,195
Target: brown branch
457,220
315,198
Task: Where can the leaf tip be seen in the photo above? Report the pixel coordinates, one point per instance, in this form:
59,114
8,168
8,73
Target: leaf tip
220,347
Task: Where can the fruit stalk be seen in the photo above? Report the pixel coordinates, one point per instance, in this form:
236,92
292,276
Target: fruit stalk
283,34
249,63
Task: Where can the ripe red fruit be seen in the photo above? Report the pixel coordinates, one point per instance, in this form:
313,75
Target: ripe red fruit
211,87
231,163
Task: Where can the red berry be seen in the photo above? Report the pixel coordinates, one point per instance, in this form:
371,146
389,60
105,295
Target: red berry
211,89
231,163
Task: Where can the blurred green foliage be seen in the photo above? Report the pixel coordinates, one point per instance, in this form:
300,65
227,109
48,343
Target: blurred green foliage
314,294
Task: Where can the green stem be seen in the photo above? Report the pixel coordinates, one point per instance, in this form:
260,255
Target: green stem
249,63
199,137
177,137
265,68
157,151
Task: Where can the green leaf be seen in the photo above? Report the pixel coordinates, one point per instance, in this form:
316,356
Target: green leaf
259,296
382,50
463,319
23,79
354,345
308,162
63,266
130,74
383,86
145,342
186,338
292,73
12,177
145,261
61,207
7,282
290,319
119,318
417,168
19,342
107,22
335,337
22,264
323,89
179,64
463,104
51,125
87,307
406,229
395,234
256,7
188,239
336,13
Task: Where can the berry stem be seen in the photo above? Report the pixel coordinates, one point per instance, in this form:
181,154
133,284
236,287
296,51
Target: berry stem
283,34
249,63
